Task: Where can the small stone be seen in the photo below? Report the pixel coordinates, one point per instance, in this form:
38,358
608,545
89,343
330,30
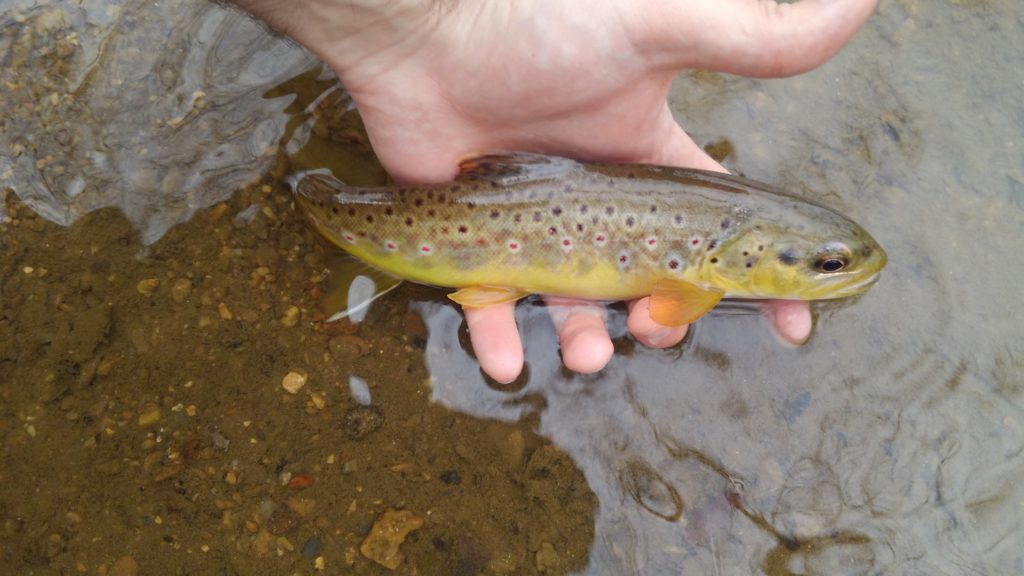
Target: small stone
547,558
181,290
387,534
451,477
124,566
362,420
149,417
301,506
311,548
282,521
293,382
291,316
224,311
147,286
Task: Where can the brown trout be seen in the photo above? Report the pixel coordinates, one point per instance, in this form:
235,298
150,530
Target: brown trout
518,224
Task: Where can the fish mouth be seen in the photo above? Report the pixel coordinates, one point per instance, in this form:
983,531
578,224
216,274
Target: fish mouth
858,286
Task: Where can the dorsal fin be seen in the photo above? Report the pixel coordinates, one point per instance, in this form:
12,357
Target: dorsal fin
516,167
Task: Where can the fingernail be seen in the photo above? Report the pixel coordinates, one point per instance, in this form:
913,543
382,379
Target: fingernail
658,336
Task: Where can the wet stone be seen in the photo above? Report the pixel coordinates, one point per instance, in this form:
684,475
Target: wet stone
451,477
282,521
387,534
362,420
181,290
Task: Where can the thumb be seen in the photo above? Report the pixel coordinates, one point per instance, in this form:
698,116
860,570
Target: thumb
760,38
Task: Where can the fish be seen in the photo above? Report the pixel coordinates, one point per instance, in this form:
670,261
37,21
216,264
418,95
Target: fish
514,224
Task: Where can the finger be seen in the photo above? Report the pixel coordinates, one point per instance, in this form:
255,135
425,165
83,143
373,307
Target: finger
582,334
791,319
649,332
495,339
761,38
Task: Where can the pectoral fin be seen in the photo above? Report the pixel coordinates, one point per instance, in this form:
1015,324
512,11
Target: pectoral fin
674,302
482,296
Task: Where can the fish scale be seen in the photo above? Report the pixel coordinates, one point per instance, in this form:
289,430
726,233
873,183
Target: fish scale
539,224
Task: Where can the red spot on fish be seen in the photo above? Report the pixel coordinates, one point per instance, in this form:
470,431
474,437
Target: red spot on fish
514,246
552,231
695,241
391,246
566,242
426,249
651,242
600,240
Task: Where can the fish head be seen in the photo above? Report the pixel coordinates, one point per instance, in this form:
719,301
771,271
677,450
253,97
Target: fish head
811,254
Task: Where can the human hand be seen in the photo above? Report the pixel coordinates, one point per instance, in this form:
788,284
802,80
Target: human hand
438,81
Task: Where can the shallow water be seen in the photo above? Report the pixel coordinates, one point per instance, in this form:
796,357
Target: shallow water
891,443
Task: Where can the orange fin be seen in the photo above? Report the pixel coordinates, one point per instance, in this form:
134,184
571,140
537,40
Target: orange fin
675,302
482,296
516,167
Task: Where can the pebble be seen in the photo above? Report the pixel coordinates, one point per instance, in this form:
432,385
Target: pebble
124,566
547,558
311,548
291,316
362,420
181,290
147,286
387,534
224,311
282,521
293,382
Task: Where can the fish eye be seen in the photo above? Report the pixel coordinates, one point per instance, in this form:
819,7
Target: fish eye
829,264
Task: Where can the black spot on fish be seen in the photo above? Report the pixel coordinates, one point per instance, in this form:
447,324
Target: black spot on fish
431,213
714,260
726,223
334,209
517,218
408,221
609,210
351,211
389,211
745,253
471,205
712,244
463,229
552,231
430,194
495,214
441,198
630,221
369,218
568,188
760,248
594,220
418,202
866,251
631,175
579,227
584,208
679,219
788,257
673,264
654,209
557,210
536,217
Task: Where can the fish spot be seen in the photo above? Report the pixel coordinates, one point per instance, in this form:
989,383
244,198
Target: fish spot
536,216
495,214
566,244
431,213
567,188
430,194
441,198
552,230
679,220
463,229
654,209
788,257
334,209
674,262
470,205
426,249
726,222
609,210
389,211
349,237
630,221
514,246
517,218
584,209
579,227
390,245
651,242
695,241
712,244
417,202
369,218
600,240
623,260
557,210
408,221
351,211
714,260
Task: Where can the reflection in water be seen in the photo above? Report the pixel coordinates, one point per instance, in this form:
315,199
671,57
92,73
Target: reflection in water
104,104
